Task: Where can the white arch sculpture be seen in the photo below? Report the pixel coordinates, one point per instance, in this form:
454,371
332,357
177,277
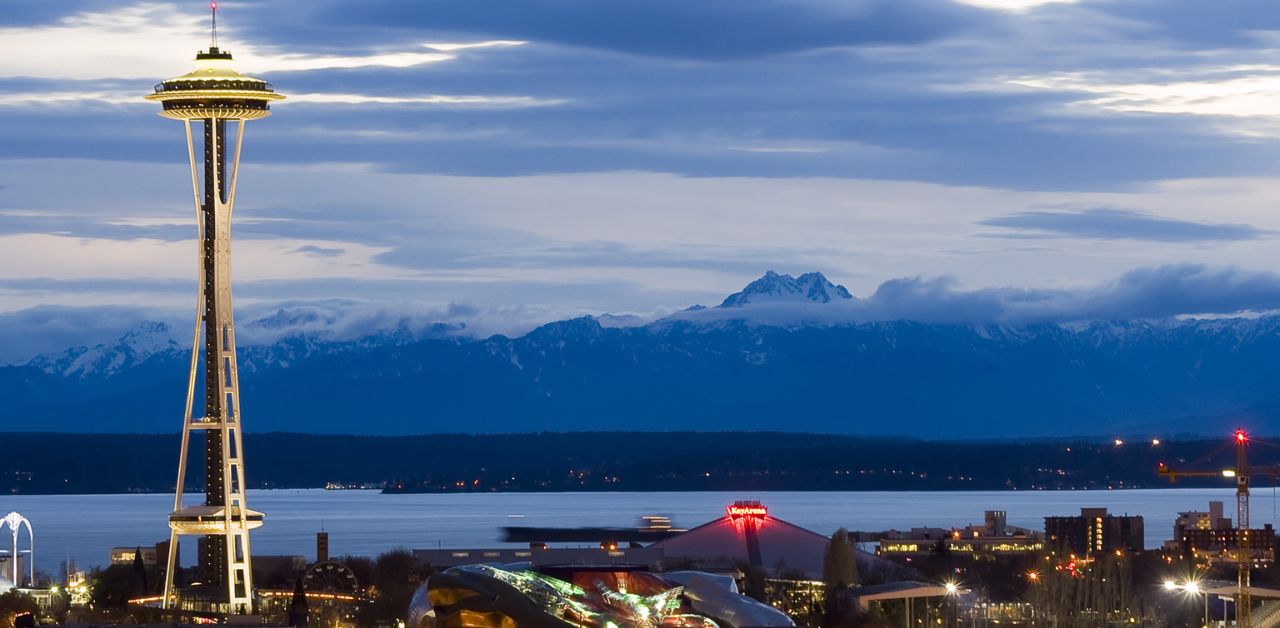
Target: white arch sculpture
14,522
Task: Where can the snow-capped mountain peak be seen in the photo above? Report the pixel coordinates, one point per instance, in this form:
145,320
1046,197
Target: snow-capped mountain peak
145,340
775,288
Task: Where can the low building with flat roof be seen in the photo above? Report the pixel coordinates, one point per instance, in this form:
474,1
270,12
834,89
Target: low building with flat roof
1229,545
994,537
126,555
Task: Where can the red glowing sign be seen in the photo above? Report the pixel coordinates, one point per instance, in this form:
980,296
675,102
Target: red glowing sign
744,510
745,515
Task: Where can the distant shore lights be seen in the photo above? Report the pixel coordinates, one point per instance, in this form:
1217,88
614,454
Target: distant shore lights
14,522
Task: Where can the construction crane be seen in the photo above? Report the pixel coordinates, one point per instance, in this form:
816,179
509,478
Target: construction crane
1242,554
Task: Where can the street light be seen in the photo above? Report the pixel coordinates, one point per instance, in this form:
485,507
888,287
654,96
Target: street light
1191,587
953,590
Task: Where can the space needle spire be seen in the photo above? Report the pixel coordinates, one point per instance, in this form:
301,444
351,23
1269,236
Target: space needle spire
213,25
205,100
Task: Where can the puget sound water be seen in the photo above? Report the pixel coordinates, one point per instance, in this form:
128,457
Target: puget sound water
83,528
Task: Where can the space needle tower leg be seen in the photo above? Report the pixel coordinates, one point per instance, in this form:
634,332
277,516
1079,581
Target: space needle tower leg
209,98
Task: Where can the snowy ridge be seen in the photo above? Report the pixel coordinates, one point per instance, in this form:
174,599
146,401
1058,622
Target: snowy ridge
770,360
148,339
289,334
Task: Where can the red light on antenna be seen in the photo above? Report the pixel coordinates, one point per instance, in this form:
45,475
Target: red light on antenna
213,5
1240,436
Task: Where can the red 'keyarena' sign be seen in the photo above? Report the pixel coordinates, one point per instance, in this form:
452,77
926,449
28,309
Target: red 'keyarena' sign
739,511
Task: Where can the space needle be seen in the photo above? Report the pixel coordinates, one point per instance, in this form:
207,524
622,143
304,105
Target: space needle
206,100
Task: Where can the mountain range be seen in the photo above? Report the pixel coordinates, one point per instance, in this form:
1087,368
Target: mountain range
784,354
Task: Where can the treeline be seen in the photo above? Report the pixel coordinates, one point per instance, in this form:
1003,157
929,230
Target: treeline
616,461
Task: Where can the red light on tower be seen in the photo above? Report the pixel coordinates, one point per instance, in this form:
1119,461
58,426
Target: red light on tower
1241,436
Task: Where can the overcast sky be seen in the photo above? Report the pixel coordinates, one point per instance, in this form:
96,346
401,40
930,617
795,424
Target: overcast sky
526,160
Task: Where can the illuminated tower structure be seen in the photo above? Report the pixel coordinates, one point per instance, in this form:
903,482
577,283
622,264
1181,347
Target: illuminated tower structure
14,522
208,98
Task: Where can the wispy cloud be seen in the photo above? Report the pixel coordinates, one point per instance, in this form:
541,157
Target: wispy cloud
255,61
318,251
259,59
46,329
780,149
52,328
1160,292
710,29
1234,91
32,99
150,39
443,47
1119,224
1016,6
432,99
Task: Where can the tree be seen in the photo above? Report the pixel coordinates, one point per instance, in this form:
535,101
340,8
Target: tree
941,549
140,570
298,608
58,608
839,572
395,576
840,563
14,603
1078,593
361,566
753,582
114,586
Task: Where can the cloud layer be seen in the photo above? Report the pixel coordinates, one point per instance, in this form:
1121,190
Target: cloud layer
1116,224
636,156
1164,292
999,92
1159,293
